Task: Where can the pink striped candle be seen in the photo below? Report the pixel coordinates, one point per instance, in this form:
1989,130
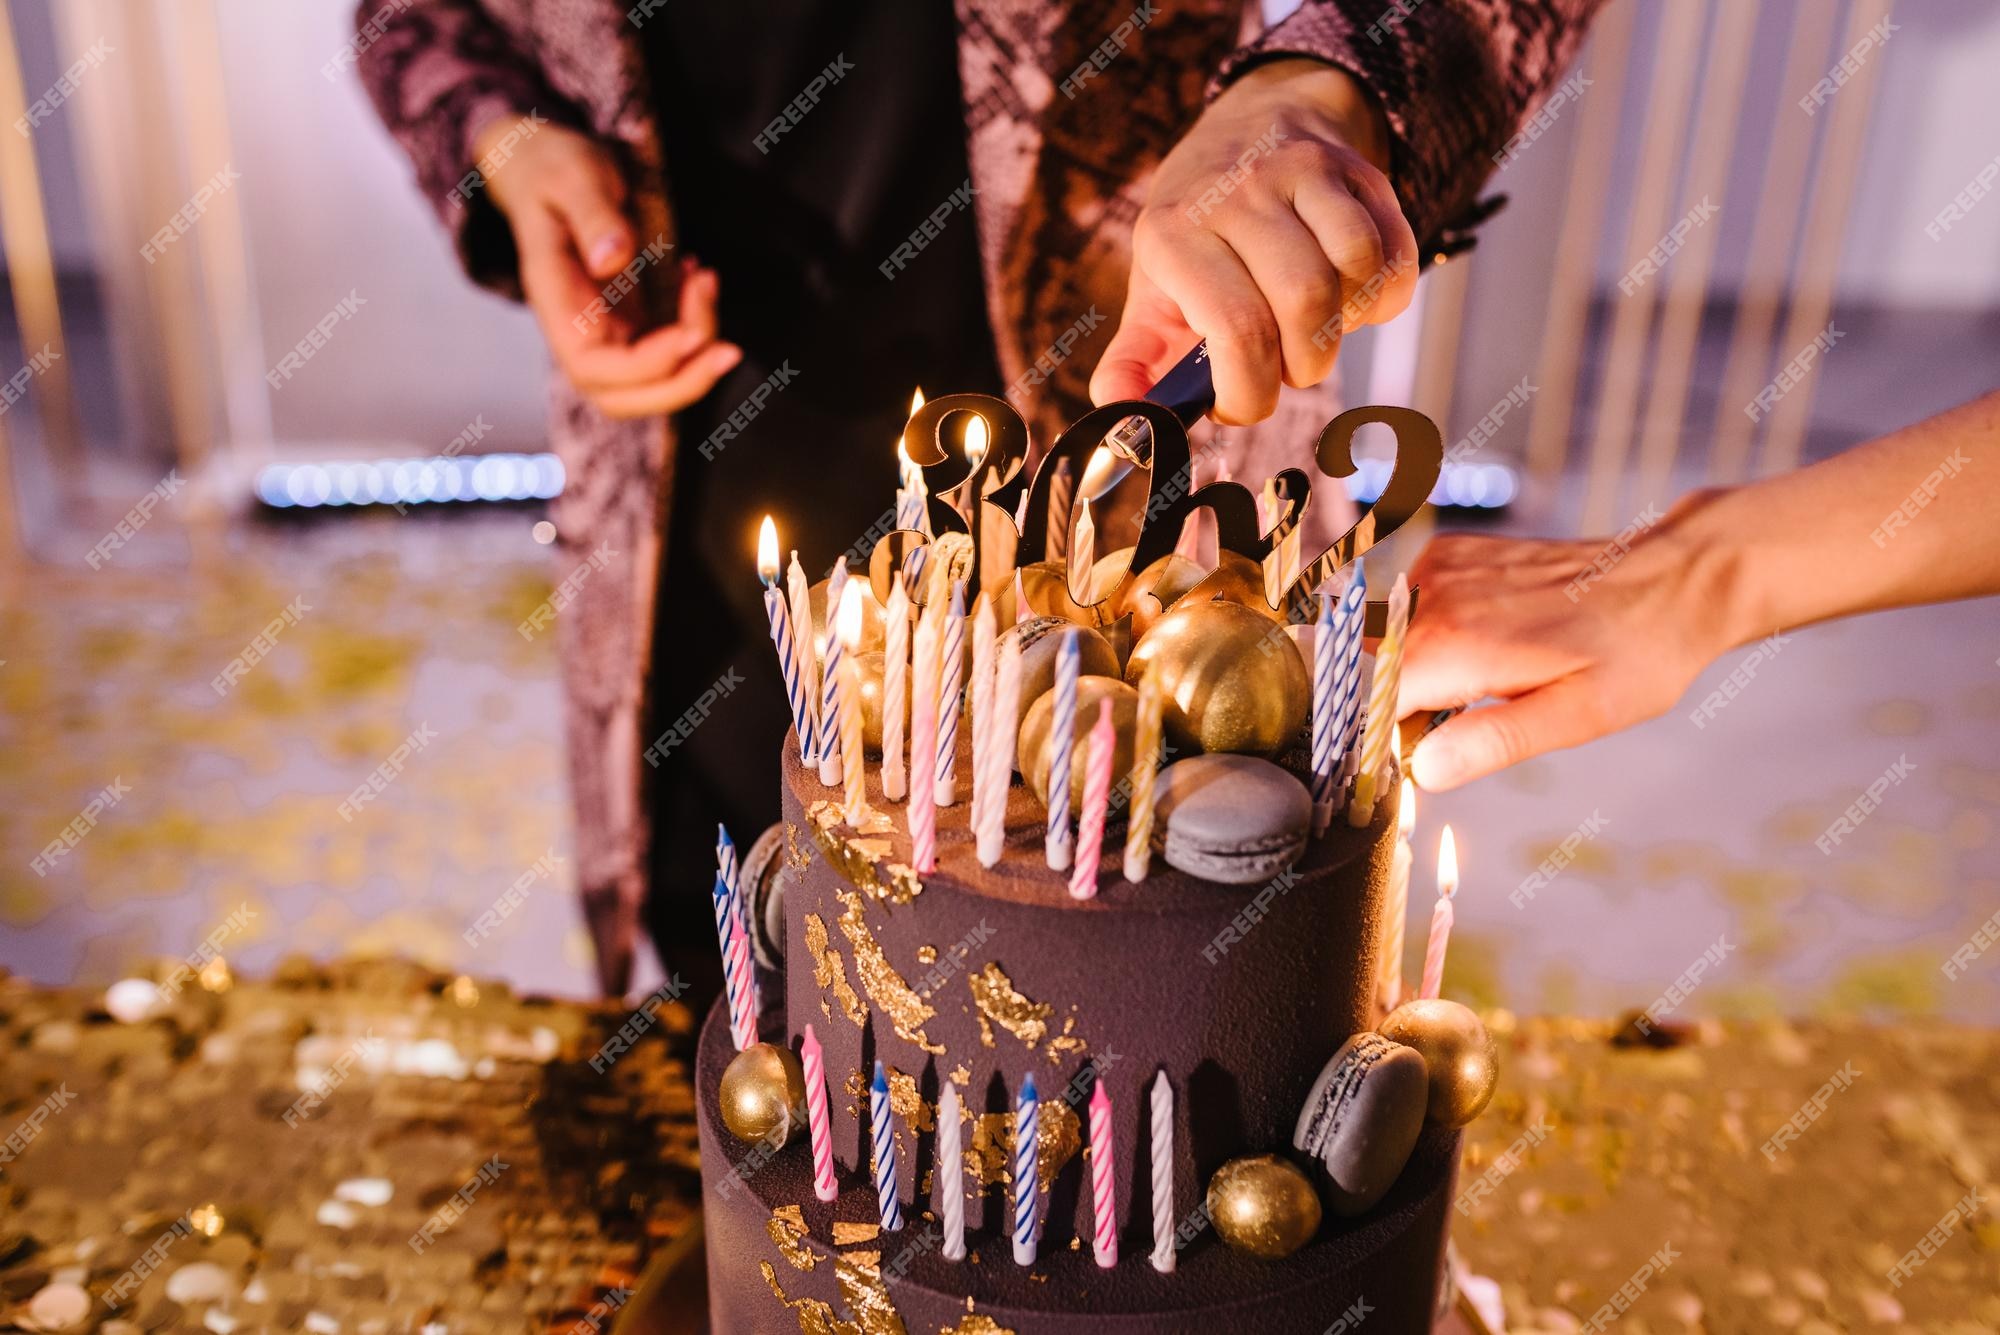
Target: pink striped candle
1096,804
951,696
817,1122
829,665
992,832
922,811
895,687
1441,916
1103,1178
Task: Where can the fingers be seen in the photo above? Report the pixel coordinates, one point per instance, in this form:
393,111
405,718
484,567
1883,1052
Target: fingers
1376,281
1481,741
643,369
588,195
1206,279
1299,279
1151,334
685,385
1395,281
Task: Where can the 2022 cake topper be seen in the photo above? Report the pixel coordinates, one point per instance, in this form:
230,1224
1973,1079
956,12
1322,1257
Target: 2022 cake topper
981,496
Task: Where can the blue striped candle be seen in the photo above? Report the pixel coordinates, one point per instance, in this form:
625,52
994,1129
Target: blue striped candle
1351,617
1027,1138
829,693
1062,741
885,1152
732,930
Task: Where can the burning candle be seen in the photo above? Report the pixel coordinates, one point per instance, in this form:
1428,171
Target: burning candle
985,634
948,1177
923,747
1027,1142
884,1138
790,662
1101,744
951,671
831,732
917,499
895,687
1441,916
1145,777
797,594
1396,908
853,772
1103,1179
1382,692
1000,755
1161,1153
818,1124
1062,732
740,982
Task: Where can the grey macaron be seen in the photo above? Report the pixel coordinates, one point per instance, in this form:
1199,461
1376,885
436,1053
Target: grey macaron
1362,1118
1234,819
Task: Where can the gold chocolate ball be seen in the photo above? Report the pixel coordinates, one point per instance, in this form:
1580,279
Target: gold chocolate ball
764,1094
1041,639
871,666
1240,580
1156,588
1232,679
1038,726
874,617
1045,584
1263,1205
1464,1059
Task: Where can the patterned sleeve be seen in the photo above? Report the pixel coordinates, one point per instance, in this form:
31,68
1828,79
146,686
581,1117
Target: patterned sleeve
438,72
1455,78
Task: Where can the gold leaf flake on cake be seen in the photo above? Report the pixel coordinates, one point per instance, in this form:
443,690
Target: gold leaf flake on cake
830,972
787,1227
862,861
999,1003
907,1103
976,1324
867,1296
885,987
797,851
847,1234
961,1075
1059,1136
927,954
1066,1043
815,1317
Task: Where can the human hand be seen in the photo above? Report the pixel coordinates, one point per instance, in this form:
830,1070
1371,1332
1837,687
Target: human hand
1578,639
1270,230
564,198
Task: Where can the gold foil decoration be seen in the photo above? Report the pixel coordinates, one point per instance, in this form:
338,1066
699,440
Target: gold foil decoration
927,954
830,971
977,1324
993,992
787,1227
1059,1137
846,1234
1066,1042
797,851
815,1317
860,1278
885,987
890,883
961,1075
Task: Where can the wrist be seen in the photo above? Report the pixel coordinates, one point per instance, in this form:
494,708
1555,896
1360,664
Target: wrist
1726,604
1299,81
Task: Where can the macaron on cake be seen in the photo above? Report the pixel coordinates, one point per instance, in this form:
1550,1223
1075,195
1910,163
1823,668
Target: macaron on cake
1362,1119
1233,819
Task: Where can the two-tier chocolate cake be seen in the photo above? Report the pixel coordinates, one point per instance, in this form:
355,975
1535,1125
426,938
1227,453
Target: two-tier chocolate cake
1182,1027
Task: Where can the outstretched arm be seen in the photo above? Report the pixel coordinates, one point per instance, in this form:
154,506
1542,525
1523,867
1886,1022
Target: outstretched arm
1580,639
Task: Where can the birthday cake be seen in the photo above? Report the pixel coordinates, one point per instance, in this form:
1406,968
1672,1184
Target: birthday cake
997,1064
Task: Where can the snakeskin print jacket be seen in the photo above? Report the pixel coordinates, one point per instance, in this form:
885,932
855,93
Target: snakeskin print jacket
1062,142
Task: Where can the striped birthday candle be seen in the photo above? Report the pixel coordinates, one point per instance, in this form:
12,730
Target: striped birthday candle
818,1124
1103,1180
1027,1138
884,1135
829,695
1062,739
951,696
1325,688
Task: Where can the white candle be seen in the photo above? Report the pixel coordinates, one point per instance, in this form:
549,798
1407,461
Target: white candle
1000,755
949,1175
1396,904
895,687
1441,916
1162,1155
853,772
985,632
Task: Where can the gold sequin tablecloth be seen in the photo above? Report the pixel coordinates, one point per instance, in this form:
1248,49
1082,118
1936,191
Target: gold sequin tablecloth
359,1147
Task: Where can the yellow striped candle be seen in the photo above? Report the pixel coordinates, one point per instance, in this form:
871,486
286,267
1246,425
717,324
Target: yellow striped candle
1382,692
1145,777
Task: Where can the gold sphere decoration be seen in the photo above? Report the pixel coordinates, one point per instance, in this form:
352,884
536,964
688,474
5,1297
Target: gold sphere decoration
1041,638
1037,728
872,667
1154,591
1463,1058
874,617
1263,1205
764,1094
1240,580
1045,584
1232,679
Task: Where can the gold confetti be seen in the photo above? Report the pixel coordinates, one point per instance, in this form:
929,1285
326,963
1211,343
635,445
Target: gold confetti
961,1075
885,987
976,1324
830,971
927,954
846,1234
787,1227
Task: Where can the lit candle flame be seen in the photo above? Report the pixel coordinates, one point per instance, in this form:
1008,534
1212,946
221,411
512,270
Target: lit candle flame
847,622
1406,822
975,441
1098,474
767,552
1447,865
917,401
